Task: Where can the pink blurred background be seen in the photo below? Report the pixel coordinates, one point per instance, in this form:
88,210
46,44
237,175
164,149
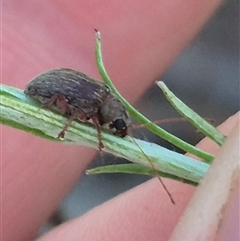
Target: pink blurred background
38,36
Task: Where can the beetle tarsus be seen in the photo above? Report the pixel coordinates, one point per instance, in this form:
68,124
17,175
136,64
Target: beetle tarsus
61,135
96,123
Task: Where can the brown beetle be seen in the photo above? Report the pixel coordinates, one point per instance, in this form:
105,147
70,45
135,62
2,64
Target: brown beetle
79,97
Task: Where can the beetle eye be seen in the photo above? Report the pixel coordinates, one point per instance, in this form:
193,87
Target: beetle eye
119,125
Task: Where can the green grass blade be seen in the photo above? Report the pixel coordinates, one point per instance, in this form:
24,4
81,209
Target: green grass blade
196,120
135,169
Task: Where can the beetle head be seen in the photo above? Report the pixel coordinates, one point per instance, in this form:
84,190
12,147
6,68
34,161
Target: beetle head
120,127
112,111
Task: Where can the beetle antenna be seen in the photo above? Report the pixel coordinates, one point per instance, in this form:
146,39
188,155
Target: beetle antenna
166,121
156,172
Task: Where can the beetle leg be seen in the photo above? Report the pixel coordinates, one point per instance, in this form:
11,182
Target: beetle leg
60,102
95,122
63,105
51,101
62,133
78,114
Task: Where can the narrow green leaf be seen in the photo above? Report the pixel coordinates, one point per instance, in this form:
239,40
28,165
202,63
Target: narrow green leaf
196,120
135,169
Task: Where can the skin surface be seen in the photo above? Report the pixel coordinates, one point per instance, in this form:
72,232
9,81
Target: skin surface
139,42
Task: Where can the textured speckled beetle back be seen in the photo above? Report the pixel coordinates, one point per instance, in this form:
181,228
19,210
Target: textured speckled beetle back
79,97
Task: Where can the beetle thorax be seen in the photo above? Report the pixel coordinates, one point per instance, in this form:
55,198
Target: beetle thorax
111,110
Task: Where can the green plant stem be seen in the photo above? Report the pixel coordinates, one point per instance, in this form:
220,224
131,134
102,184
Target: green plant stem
20,112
